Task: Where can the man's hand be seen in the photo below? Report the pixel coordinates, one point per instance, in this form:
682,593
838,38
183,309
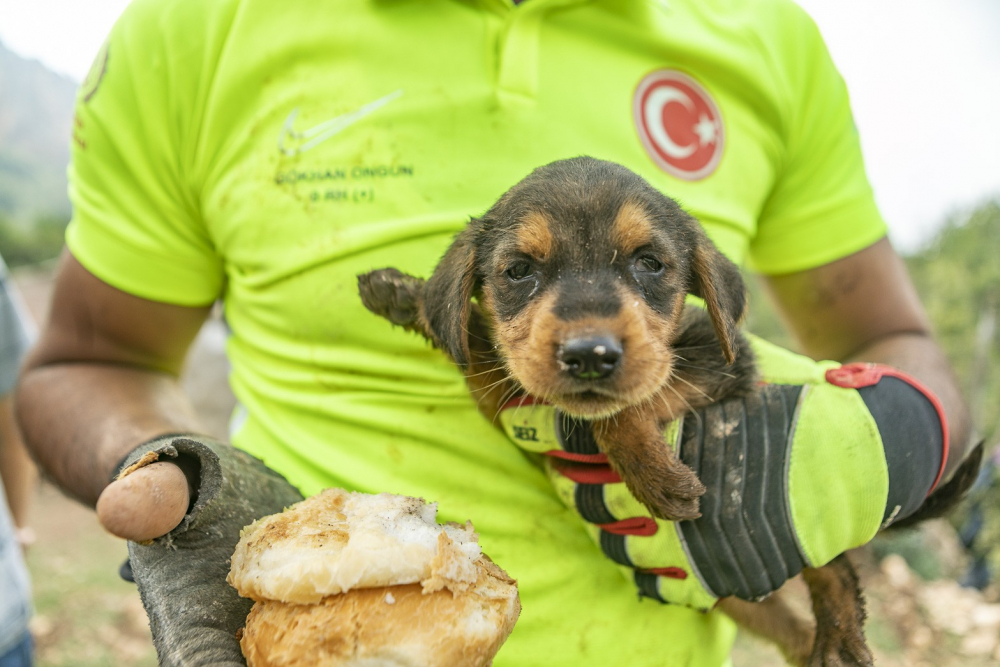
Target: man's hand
799,471
181,571
860,308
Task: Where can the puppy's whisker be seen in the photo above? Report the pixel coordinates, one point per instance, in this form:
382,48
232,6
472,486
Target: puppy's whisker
666,405
693,386
519,388
690,410
486,372
707,370
488,389
680,397
573,424
469,333
509,394
496,363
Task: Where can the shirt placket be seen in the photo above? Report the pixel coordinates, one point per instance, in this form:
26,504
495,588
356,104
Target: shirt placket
518,48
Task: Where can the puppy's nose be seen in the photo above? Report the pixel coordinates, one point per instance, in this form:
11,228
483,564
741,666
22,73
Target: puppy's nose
590,358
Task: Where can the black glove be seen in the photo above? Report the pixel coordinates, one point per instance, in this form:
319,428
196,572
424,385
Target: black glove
193,613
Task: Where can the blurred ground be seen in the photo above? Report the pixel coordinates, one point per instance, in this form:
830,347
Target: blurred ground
87,617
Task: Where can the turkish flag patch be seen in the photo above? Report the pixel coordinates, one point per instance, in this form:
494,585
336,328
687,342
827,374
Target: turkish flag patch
679,124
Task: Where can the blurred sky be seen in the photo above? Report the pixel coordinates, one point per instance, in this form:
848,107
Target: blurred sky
924,78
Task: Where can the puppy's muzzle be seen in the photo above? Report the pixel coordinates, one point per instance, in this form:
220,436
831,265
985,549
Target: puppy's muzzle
590,358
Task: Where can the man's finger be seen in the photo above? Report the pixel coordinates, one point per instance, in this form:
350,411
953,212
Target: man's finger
145,504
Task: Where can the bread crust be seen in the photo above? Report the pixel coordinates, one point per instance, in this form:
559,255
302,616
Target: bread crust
387,626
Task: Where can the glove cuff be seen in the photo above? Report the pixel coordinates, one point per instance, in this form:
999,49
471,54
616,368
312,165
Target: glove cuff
909,417
193,613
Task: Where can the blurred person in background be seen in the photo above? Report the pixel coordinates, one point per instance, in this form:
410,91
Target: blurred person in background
17,479
267,154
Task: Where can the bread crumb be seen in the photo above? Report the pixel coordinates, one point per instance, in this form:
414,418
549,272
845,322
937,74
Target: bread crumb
389,599
451,567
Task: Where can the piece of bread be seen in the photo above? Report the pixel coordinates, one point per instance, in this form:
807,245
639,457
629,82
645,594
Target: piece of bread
359,580
390,626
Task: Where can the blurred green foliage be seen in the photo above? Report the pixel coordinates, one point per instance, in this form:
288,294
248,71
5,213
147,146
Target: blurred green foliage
27,244
762,319
958,278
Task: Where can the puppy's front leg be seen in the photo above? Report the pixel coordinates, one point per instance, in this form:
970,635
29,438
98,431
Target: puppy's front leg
399,298
778,620
396,296
633,441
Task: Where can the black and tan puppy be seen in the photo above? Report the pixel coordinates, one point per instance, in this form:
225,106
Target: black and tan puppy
580,272
572,288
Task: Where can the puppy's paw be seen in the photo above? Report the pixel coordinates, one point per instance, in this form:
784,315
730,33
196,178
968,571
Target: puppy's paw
392,294
670,492
840,654
839,608
650,469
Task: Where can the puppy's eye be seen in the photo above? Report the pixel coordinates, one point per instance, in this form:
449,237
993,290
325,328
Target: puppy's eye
648,264
519,271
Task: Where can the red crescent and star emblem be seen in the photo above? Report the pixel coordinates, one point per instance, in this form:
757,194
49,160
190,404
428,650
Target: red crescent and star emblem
679,124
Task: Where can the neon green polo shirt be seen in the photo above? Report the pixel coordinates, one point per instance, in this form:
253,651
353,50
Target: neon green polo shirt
267,153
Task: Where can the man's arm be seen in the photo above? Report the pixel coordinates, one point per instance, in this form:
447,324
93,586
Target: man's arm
16,468
864,308
101,384
102,379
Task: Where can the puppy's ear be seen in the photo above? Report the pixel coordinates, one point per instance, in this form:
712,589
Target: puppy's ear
447,297
718,281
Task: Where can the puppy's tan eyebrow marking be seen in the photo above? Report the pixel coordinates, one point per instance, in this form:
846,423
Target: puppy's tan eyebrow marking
534,235
631,228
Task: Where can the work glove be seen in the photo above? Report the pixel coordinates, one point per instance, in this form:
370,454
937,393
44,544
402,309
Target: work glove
812,463
193,613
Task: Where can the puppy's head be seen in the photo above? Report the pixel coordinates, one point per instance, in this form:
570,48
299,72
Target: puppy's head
582,268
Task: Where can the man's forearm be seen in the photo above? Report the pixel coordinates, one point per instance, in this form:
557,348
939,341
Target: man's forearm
918,355
80,420
863,307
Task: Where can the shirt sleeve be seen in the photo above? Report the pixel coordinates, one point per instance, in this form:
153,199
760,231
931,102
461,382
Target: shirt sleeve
136,221
821,207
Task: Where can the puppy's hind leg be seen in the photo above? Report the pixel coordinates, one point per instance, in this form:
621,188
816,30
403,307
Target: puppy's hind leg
777,620
840,615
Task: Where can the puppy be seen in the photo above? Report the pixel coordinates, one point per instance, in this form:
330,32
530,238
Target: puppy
571,289
581,271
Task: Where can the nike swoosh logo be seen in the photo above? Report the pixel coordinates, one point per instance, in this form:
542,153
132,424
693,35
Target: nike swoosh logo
292,142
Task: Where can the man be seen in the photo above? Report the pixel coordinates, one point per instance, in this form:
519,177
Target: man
17,483
267,156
